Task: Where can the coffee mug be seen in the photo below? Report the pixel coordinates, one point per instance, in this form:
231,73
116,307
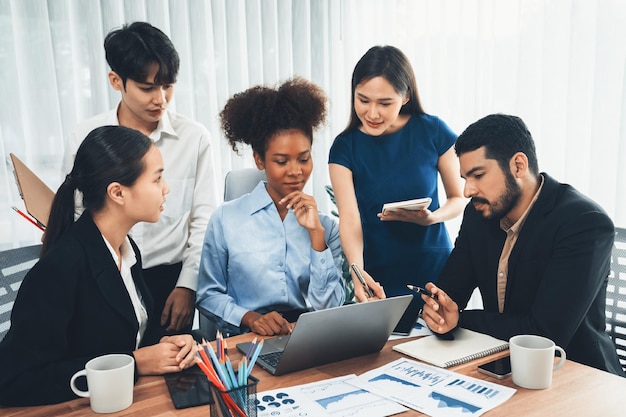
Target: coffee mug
110,380
532,361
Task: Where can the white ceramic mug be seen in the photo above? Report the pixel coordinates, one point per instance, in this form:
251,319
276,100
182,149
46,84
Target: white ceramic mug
532,360
110,380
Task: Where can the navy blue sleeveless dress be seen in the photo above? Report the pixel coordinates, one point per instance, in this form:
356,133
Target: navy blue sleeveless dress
395,167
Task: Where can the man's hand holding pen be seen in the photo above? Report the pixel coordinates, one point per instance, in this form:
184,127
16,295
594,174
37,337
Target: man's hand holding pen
365,288
440,312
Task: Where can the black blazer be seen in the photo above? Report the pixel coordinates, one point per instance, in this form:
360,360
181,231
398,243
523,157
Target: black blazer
557,278
71,307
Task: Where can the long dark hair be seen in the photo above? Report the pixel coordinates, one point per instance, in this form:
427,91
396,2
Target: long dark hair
390,63
108,154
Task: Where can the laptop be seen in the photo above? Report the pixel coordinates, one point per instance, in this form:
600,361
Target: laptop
331,335
36,194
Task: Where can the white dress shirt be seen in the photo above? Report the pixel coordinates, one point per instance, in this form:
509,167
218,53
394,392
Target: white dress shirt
128,260
191,175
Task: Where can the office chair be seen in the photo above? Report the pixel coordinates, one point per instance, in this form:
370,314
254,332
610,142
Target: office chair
241,181
14,264
616,296
236,183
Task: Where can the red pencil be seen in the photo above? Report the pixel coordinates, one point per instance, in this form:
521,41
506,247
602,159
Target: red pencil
28,218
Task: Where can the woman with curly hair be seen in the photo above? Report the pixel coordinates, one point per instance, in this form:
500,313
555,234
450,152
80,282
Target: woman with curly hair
271,254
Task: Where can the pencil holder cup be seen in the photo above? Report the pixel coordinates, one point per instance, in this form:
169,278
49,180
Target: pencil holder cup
235,402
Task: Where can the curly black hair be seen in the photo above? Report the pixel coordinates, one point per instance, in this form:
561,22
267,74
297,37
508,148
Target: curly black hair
256,115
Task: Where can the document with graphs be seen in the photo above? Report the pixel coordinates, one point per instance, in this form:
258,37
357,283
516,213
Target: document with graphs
432,390
328,398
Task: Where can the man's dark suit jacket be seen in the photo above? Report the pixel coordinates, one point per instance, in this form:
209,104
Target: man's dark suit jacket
71,307
557,278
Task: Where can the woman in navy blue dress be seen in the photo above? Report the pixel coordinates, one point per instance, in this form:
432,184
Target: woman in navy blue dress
393,151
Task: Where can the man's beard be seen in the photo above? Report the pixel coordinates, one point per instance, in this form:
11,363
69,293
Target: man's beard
505,203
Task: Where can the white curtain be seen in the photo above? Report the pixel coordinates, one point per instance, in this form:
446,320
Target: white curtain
559,64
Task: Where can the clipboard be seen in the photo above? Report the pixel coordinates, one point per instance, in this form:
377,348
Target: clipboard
36,194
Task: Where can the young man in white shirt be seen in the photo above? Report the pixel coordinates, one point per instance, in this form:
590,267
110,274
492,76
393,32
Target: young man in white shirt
144,66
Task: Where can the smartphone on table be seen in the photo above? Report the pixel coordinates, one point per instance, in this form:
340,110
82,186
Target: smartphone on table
500,368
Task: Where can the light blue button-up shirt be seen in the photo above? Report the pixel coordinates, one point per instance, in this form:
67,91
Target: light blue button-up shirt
251,260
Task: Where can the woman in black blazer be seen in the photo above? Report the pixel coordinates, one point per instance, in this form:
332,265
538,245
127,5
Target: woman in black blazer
86,296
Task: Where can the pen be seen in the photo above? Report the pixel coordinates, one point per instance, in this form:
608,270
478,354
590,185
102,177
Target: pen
27,218
421,290
355,268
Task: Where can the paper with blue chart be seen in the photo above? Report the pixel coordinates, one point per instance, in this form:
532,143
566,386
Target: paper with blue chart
432,390
332,397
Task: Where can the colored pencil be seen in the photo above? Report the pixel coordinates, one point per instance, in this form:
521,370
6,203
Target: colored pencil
254,357
251,348
212,375
21,213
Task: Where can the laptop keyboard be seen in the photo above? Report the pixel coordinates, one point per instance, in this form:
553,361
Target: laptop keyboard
271,358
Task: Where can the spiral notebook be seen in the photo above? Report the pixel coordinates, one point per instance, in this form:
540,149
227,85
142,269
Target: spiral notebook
467,345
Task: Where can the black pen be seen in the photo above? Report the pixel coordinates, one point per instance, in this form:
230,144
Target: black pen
355,268
421,290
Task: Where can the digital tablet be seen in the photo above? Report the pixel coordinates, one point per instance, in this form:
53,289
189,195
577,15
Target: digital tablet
417,204
409,318
188,388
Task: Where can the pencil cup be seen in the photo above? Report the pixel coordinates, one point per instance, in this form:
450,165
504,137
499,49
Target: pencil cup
236,402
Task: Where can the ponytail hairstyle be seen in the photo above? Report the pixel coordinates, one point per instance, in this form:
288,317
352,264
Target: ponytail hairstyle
108,154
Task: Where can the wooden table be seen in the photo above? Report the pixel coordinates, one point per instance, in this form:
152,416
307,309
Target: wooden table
577,390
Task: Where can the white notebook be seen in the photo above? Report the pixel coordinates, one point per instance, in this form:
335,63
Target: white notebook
466,346
417,204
